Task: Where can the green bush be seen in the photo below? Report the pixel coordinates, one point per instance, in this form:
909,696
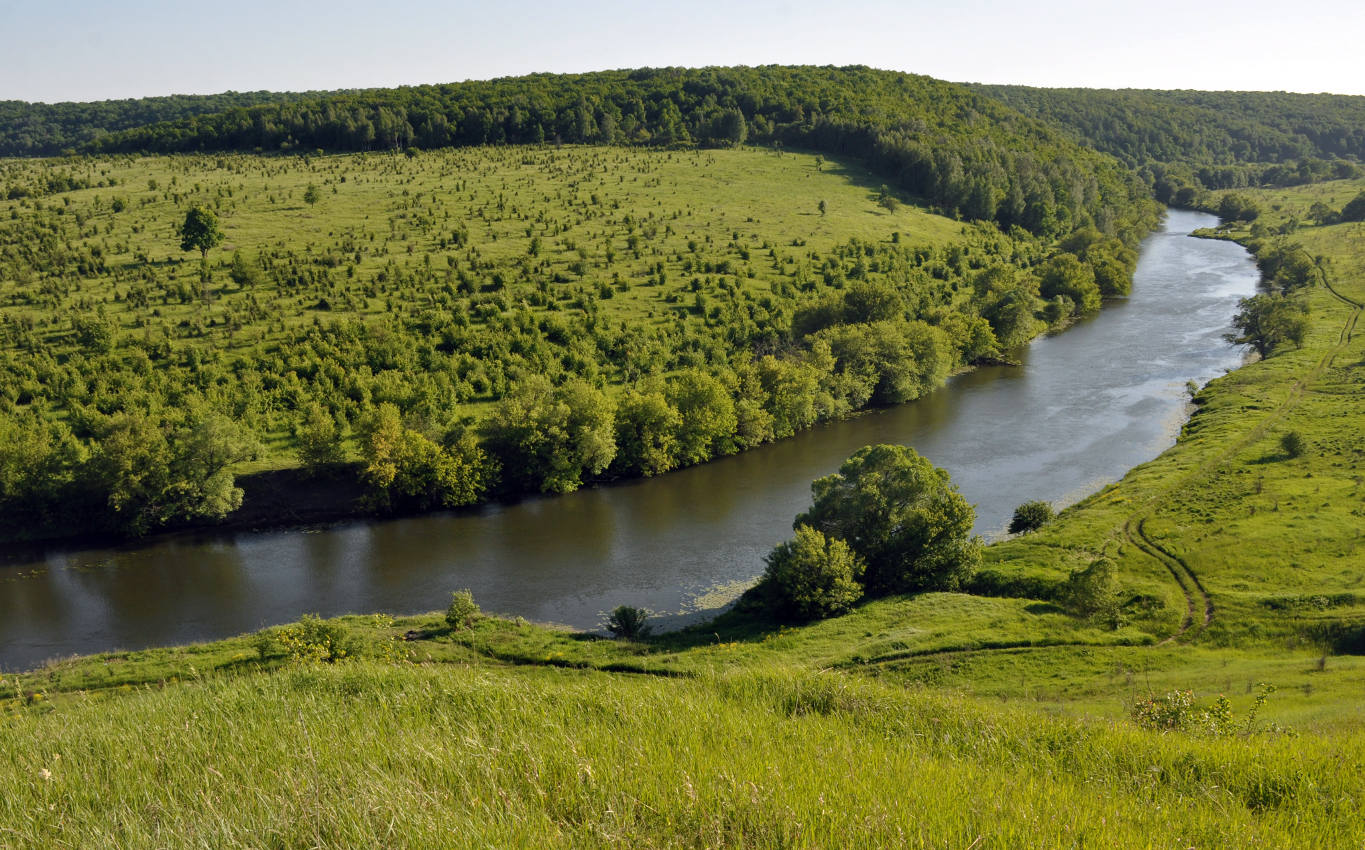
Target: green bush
1293,444
317,640
628,622
1177,711
1092,591
814,576
1030,516
463,610
902,515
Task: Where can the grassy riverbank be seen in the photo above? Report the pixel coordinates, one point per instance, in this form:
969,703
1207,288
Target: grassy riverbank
944,720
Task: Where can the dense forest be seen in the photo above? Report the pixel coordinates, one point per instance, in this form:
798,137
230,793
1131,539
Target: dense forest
53,129
1210,140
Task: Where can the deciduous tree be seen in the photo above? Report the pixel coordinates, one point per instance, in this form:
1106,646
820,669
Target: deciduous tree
902,515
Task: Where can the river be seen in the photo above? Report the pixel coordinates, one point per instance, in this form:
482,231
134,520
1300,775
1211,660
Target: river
1082,408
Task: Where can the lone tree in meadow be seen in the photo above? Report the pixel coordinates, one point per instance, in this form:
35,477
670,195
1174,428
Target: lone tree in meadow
200,232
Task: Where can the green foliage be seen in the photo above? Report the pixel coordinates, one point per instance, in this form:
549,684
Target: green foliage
1220,140
1092,591
1354,209
93,334
200,231
405,468
886,200
320,440
1285,266
1030,516
647,428
1292,443
152,471
317,641
1268,321
243,272
1066,276
463,611
628,622
48,129
1177,711
707,413
39,467
995,166
1235,207
900,514
550,438
812,577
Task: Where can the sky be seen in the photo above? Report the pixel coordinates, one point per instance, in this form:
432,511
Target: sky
81,50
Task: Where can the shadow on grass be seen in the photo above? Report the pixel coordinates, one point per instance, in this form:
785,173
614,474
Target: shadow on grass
1273,457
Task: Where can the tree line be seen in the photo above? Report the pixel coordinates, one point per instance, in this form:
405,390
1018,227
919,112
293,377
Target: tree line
1230,139
56,129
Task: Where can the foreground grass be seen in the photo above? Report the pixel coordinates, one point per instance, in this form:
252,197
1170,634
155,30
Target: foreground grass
363,754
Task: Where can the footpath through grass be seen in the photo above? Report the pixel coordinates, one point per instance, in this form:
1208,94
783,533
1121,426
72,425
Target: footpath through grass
943,720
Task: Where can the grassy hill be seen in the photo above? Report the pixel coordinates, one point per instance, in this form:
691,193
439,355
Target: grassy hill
943,720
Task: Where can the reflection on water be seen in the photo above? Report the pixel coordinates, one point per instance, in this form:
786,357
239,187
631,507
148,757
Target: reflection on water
1084,407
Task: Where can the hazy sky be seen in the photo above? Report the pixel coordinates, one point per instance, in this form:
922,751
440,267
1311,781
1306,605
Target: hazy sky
97,49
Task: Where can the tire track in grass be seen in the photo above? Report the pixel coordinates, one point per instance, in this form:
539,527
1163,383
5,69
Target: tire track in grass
1197,598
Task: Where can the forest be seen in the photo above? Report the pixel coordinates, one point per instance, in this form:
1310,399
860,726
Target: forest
961,152
1194,140
57,129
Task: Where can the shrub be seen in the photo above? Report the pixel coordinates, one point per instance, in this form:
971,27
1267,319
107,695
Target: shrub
1177,711
1293,444
1030,516
317,640
628,622
1092,591
814,576
463,610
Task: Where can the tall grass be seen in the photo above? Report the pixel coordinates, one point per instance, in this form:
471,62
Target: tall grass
370,755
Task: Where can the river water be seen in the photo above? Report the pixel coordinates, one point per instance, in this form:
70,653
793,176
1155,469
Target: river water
1084,407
